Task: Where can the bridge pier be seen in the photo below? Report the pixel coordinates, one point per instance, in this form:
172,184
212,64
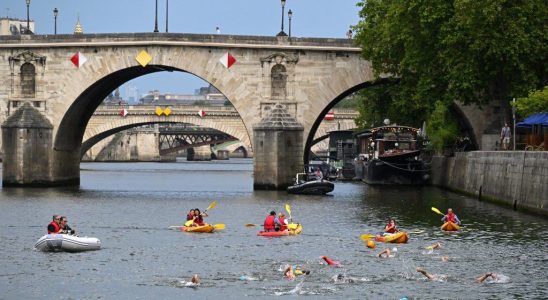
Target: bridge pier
27,142
278,150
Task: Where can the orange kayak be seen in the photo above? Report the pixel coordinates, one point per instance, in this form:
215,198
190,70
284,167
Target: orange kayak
398,238
450,226
294,229
207,228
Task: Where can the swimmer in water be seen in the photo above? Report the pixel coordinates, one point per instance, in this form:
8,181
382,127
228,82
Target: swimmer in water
426,274
385,253
434,246
340,278
195,279
288,272
331,262
485,276
445,258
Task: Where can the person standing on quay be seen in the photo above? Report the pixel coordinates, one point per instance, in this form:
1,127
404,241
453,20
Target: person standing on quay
505,135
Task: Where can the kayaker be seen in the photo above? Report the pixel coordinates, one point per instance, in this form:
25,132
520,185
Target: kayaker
65,228
281,223
451,217
391,227
199,217
270,222
53,226
190,215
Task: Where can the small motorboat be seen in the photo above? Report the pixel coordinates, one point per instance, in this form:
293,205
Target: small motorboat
311,187
398,238
450,226
67,242
207,228
293,229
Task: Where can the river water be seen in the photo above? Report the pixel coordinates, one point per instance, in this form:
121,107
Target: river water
129,206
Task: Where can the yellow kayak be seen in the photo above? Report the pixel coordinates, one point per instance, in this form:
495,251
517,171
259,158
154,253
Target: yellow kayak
398,238
294,228
450,226
207,228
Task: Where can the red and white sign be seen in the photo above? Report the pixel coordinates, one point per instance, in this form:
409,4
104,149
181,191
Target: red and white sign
78,59
201,113
329,116
227,60
123,112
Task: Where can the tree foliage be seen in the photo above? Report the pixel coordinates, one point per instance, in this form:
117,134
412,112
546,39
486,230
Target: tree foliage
442,128
536,102
466,50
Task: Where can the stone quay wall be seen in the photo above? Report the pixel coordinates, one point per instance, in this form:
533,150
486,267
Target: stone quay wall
515,178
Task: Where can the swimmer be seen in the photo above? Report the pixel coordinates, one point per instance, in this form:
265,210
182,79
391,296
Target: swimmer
331,262
195,279
341,278
426,274
288,272
434,246
485,276
385,253
445,258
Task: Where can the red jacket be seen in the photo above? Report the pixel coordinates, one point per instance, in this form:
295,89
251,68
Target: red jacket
189,216
391,229
269,224
283,226
450,218
199,221
56,227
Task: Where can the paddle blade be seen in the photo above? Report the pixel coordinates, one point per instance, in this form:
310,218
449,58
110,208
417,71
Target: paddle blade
189,222
175,226
250,225
288,208
219,226
366,237
212,205
437,211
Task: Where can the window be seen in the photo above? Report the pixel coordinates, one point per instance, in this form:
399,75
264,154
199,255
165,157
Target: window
28,84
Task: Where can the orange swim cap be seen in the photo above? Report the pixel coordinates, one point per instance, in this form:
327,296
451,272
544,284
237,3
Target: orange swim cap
370,244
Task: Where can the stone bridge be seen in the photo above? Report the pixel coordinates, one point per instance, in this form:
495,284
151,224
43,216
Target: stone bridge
281,87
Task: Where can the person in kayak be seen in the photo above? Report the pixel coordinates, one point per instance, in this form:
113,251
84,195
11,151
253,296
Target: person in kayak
65,228
190,215
53,226
281,222
451,217
391,227
199,217
270,222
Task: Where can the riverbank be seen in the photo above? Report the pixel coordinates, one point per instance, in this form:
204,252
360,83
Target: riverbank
515,178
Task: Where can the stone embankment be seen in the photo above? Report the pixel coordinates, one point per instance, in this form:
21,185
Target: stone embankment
515,178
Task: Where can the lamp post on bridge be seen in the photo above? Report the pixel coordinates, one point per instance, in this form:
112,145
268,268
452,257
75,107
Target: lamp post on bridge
155,18
55,13
289,16
28,17
282,33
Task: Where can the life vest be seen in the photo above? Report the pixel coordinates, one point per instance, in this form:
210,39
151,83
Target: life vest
391,229
56,226
282,222
269,224
189,216
199,220
450,218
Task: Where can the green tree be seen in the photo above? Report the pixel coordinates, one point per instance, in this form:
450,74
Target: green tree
536,102
442,128
465,50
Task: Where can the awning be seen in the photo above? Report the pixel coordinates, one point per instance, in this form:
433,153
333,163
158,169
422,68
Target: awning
534,119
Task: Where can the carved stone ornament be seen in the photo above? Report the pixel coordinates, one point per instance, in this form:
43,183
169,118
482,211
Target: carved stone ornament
279,58
26,57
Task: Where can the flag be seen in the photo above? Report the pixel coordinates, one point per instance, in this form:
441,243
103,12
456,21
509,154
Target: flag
227,60
329,116
78,59
201,113
123,112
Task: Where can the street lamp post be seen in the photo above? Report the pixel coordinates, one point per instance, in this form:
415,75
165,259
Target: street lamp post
167,12
282,33
55,13
28,17
289,16
156,18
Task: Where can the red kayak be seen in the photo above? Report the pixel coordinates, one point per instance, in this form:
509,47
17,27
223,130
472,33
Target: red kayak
273,233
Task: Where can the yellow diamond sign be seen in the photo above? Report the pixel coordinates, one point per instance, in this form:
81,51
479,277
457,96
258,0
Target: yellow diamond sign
167,111
158,111
143,58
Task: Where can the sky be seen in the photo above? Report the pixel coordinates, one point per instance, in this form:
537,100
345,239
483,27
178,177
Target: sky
311,18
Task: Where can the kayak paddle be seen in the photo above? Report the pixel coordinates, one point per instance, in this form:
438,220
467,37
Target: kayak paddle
288,208
366,237
219,226
211,206
250,225
189,222
437,211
